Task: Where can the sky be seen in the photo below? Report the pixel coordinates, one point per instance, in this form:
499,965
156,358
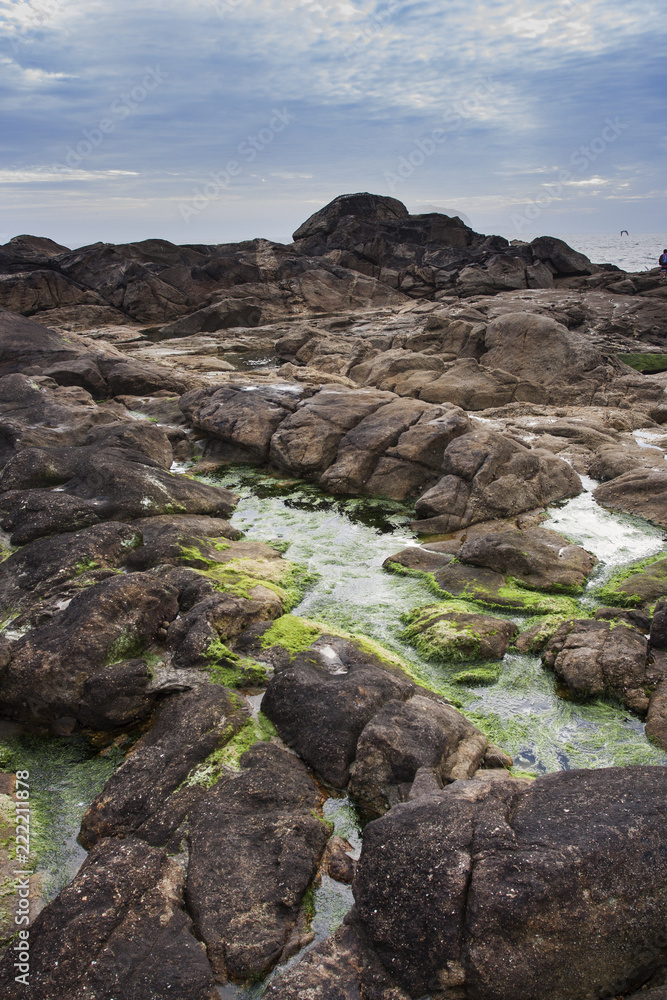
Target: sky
212,121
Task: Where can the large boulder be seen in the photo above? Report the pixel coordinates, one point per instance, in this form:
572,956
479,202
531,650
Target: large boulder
487,475
505,905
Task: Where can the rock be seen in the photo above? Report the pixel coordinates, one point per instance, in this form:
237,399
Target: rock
597,658
658,636
118,929
443,634
656,720
470,910
541,559
49,570
102,625
339,968
189,727
337,862
321,702
641,588
562,258
24,344
486,476
32,292
35,412
406,738
642,492
255,844
56,489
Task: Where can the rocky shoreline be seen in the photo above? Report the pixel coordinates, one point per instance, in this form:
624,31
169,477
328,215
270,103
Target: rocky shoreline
402,357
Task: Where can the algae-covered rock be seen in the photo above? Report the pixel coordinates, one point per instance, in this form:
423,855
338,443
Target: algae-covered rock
490,589
537,632
638,586
444,632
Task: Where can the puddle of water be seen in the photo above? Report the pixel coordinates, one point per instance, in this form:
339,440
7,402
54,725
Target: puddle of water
345,541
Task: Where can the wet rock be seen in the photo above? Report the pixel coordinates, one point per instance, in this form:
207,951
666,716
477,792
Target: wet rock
405,738
337,861
541,559
189,727
340,968
493,590
595,658
470,911
442,633
658,635
49,490
639,589
255,843
54,569
642,492
100,626
118,929
321,702
656,720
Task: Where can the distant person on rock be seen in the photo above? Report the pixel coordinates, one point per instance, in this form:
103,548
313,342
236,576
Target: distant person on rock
662,261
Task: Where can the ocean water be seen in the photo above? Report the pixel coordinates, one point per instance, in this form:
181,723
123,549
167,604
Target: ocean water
636,252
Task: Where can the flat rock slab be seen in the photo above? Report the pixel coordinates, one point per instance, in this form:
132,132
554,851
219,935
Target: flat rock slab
255,843
117,930
506,904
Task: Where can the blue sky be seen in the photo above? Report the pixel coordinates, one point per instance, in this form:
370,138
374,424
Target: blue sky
221,120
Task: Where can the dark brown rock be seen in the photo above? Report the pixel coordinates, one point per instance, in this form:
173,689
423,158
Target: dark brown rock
119,929
255,844
189,727
471,911
404,737
321,702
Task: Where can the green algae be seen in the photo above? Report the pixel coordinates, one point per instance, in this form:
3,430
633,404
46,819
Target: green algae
228,757
614,593
65,776
294,634
647,364
546,626
226,667
478,676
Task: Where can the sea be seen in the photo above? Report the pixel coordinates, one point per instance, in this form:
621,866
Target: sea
635,252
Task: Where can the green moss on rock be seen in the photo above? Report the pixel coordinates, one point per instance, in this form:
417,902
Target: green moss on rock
639,585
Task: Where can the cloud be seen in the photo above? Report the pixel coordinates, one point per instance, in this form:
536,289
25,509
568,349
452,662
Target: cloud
365,81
